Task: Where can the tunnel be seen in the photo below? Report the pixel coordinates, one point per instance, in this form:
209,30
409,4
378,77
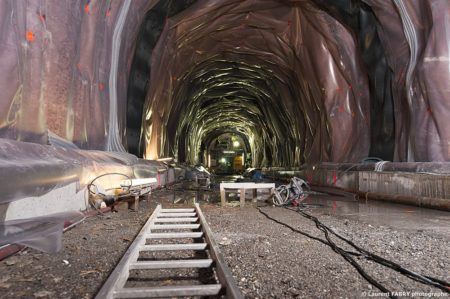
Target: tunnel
347,96
304,81
251,78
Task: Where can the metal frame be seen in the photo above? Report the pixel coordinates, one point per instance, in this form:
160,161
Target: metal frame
114,285
119,276
223,272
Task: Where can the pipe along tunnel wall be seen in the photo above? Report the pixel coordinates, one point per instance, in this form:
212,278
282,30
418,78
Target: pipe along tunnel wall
304,82
420,184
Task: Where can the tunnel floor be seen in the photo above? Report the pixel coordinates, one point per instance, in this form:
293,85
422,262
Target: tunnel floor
267,259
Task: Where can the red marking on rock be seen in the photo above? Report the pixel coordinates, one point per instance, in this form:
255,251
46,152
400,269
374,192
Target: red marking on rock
42,18
29,36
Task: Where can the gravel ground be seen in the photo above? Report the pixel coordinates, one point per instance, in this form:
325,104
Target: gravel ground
90,251
270,261
267,259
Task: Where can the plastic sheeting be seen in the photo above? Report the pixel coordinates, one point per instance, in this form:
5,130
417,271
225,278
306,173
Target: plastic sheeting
305,81
201,50
28,169
41,233
33,170
258,68
416,39
56,58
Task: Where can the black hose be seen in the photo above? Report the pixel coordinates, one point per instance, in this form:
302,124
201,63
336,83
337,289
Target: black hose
445,286
105,174
345,254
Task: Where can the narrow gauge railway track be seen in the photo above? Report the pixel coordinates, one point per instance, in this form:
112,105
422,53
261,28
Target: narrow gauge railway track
177,244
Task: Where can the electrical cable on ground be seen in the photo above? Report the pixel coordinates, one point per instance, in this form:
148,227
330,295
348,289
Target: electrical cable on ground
347,255
445,286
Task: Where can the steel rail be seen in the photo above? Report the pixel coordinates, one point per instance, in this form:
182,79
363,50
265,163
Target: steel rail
180,219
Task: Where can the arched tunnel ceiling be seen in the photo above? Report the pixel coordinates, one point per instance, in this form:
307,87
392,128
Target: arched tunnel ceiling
246,66
305,81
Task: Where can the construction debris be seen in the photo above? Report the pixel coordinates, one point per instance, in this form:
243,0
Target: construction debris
293,193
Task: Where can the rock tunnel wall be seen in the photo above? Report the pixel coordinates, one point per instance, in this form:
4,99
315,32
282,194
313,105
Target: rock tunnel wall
304,81
56,61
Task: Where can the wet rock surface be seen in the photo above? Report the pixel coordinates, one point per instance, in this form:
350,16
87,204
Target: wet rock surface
267,259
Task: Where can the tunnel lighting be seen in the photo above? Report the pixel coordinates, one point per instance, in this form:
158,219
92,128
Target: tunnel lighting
151,155
138,182
209,160
165,159
223,160
236,143
229,152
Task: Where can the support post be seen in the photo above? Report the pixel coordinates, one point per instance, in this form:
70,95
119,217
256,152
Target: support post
222,196
134,204
242,203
